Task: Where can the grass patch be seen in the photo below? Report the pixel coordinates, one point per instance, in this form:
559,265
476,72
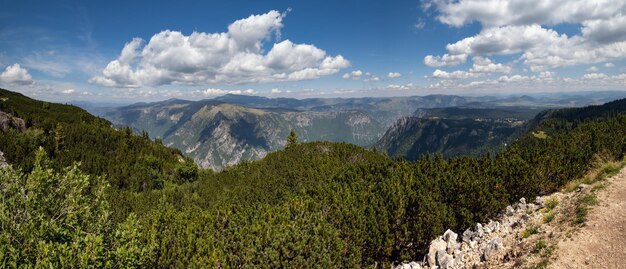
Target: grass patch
539,246
552,203
543,263
540,134
604,167
589,200
608,170
583,208
547,218
547,251
532,229
598,187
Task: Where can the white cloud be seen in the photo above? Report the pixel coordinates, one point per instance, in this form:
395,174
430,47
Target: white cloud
522,27
445,60
495,13
68,91
354,75
216,92
358,75
542,82
275,91
540,47
420,24
595,76
401,87
394,75
16,75
609,65
233,57
453,75
371,78
605,30
485,65
592,69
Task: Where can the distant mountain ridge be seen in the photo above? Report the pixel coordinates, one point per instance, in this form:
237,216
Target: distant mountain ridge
228,129
218,134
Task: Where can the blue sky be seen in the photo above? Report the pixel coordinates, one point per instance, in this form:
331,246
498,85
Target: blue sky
72,50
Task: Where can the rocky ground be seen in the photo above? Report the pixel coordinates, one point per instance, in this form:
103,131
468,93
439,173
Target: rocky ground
581,228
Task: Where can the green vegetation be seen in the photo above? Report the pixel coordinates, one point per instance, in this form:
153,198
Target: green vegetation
549,217
69,134
539,246
582,209
324,204
412,137
292,139
530,230
540,134
552,203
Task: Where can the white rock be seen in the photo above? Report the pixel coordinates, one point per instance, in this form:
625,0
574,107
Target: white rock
467,235
445,260
411,265
540,201
510,211
450,238
435,246
479,230
493,247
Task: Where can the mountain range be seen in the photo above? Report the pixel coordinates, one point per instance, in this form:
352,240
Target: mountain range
228,129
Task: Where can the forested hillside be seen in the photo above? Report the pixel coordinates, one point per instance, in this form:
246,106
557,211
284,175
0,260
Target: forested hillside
313,204
69,134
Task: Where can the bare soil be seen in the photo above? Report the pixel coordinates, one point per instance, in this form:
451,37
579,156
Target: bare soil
601,243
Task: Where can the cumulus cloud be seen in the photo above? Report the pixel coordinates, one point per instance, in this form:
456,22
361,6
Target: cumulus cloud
445,60
16,75
394,75
595,76
275,91
232,57
523,27
459,74
216,92
485,65
358,75
400,87
369,77
609,65
354,75
494,13
592,69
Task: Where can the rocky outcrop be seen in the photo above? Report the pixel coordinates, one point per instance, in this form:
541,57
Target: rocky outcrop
7,121
484,245
3,161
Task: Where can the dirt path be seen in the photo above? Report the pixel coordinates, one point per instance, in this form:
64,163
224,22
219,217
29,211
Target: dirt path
602,243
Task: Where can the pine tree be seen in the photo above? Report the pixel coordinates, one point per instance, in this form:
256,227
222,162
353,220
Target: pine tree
292,139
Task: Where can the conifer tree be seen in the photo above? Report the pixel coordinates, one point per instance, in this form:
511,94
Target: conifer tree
292,139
